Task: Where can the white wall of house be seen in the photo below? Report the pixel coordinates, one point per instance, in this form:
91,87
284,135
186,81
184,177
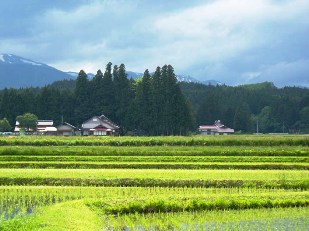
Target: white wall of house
99,133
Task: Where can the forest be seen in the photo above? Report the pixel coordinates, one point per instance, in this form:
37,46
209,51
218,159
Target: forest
156,104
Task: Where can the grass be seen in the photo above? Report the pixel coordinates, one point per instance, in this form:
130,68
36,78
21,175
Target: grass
74,215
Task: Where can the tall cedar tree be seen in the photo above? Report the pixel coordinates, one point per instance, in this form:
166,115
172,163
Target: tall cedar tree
97,90
82,100
158,100
143,105
108,99
122,96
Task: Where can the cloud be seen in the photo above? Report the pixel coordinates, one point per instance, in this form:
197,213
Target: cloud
233,41
285,73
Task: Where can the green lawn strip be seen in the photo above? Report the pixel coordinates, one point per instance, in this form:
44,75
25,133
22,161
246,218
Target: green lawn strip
161,159
150,165
186,151
247,140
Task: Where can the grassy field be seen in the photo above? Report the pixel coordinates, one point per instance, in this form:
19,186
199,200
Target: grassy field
154,183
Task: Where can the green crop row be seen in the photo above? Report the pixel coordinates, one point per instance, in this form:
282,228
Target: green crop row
149,182
150,165
18,200
185,151
155,206
159,159
241,220
164,174
249,140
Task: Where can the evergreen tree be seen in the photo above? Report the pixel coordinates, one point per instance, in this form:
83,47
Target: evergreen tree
5,125
143,104
82,100
49,104
122,96
108,100
242,120
97,90
158,100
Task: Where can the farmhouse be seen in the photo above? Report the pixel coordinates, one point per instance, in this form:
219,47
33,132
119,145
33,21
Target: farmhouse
100,126
216,129
66,129
43,126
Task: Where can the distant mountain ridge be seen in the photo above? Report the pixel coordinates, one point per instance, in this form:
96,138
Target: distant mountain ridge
19,72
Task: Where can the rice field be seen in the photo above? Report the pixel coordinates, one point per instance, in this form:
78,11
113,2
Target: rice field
154,183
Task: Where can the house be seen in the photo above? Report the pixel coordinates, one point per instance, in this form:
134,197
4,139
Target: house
43,127
216,129
66,129
100,126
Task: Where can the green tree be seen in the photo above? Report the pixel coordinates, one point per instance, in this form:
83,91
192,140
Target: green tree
97,91
143,104
304,119
27,121
83,101
158,101
123,96
5,125
242,120
108,98
176,117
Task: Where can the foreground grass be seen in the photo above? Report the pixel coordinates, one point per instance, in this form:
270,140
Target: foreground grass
73,215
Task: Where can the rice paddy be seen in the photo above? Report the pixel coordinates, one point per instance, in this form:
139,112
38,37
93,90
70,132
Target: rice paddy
154,183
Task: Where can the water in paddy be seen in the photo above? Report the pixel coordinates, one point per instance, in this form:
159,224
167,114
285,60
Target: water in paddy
255,219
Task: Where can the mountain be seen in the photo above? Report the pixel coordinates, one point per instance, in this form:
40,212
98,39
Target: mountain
18,72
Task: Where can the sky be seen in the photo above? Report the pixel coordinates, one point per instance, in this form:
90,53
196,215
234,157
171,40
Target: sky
231,41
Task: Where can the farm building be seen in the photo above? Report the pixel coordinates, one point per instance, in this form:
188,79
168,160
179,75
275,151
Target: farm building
216,129
67,129
100,126
43,126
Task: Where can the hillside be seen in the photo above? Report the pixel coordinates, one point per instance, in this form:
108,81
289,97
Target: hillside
18,72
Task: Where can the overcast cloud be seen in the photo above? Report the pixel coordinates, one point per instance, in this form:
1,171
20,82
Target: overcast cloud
232,41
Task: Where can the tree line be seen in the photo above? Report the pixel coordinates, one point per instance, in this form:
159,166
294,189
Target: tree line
151,105
251,108
156,104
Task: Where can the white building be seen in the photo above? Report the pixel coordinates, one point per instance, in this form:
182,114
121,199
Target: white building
216,129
